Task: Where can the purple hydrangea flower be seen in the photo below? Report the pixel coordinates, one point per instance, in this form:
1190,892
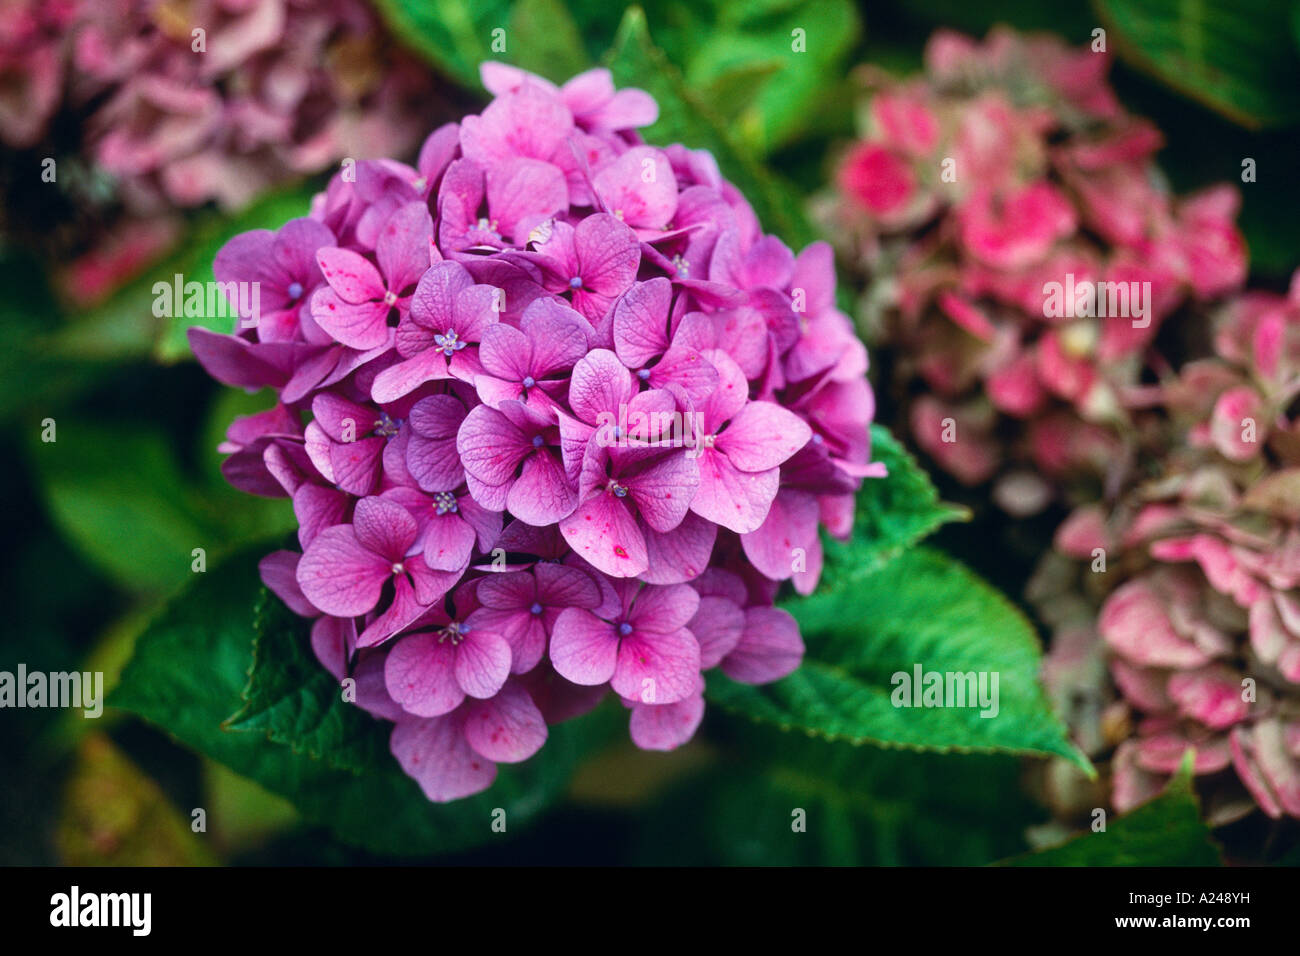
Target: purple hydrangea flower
557,419
532,363
639,644
354,309
439,336
523,607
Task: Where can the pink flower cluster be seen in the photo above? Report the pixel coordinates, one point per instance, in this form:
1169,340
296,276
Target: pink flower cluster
211,101
555,416
32,47
1007,168
1202,636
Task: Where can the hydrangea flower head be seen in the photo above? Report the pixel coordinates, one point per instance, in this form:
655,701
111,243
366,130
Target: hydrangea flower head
177,106
1007,170
1200,627
570,419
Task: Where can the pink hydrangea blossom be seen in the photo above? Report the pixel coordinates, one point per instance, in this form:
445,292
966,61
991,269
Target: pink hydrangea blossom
1006,169
1197,615
214,102
556,419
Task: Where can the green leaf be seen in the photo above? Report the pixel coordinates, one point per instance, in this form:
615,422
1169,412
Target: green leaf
731,90
454,35
921,610
242,815
766,69
861,806
892,513
537,35
546,40
1165,831
809,43
118,495
1238,57
684,118
188,675
34,376
295,701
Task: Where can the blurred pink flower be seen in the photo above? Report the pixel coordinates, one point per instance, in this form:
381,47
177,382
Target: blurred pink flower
1199,610
170,107
1021,254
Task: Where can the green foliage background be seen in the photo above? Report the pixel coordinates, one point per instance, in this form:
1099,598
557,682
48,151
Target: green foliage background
100,525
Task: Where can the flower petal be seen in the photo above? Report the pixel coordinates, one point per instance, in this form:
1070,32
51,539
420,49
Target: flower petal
762,435
735,499
770,649
434,752
482,662
666,726
657,668
418,675
340,576
506,729
352,276
584,649
603,532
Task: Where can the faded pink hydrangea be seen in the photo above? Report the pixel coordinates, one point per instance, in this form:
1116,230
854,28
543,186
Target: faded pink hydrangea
1197,614
33,47
180,106
556,418
1022,251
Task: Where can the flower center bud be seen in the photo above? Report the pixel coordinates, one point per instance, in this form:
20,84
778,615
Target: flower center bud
443,502
643,374
450,343
390,298
535,609
538,441
575,282
295,291
529,381
386,427
624,628
708,440
619,490
397,567
682,266
456,631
